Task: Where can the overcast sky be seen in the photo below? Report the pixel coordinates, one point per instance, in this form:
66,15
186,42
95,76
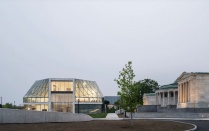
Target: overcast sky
94,39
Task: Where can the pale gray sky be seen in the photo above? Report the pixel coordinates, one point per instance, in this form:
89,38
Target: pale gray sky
94,39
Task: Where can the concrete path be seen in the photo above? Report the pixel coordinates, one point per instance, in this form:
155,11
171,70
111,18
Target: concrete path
110,116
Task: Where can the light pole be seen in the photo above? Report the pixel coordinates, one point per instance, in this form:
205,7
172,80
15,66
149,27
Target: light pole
1,102
78,105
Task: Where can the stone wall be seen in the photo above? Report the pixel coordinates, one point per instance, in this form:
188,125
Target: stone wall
23,116
147,108
149,99
169,115
170,109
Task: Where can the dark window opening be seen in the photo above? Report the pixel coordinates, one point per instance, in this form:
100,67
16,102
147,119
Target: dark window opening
166,94
171,94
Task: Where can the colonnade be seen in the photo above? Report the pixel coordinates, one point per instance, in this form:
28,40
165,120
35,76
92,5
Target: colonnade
161,98
184,92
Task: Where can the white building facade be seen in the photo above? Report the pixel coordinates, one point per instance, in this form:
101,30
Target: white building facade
190,90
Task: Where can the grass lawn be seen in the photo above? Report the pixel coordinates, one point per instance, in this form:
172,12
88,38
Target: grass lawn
98,115
120,125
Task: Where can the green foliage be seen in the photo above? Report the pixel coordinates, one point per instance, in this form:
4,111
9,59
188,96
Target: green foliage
11,106
111,110
98,115
8,105
128,93
117,104
145,86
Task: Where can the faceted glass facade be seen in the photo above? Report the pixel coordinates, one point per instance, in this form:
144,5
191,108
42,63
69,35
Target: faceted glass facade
38,93
87,91
64,95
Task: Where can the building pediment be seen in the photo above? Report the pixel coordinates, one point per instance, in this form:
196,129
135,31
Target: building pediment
183,76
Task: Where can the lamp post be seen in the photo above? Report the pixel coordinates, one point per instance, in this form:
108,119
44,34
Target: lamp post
78,105
1,103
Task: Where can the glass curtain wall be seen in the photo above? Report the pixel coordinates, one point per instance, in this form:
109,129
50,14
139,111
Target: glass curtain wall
88,92
37,94
62,96
61,86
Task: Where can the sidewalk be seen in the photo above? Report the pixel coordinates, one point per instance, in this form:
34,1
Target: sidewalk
114,116
110,116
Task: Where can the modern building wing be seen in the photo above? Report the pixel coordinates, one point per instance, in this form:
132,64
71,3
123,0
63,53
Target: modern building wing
64,95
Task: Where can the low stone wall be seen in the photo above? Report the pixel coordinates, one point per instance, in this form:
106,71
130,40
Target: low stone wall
169,115
23,116
170,109
147,108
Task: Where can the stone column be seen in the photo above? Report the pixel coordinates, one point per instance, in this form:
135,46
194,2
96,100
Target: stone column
188,91
156,98
159,98
163,98
183,91
168,98
178,94
174,97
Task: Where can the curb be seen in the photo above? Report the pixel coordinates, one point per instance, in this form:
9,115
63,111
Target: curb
205,119
114,119
193,129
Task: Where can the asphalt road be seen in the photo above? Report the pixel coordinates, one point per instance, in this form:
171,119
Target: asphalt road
202,125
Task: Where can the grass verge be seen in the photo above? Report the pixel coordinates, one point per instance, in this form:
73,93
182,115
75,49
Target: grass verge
98,115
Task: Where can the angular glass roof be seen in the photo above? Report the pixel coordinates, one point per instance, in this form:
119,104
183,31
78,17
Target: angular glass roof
87,89
39,89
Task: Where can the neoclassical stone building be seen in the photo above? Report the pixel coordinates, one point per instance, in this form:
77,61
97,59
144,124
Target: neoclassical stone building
189,90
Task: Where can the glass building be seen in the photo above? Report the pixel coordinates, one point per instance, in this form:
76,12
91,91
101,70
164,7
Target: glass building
64,95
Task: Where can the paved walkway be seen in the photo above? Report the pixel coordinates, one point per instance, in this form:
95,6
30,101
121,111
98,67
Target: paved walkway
110,116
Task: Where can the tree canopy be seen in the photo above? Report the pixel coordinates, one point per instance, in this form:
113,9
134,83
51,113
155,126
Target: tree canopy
146,86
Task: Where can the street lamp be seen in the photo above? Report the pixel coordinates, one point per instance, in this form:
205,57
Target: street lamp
78,105
1,103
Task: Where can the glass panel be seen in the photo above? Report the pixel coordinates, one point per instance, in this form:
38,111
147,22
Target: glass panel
56,97
62,106
87,91
88,108
61,86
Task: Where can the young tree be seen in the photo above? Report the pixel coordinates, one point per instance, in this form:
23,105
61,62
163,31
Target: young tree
128,93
